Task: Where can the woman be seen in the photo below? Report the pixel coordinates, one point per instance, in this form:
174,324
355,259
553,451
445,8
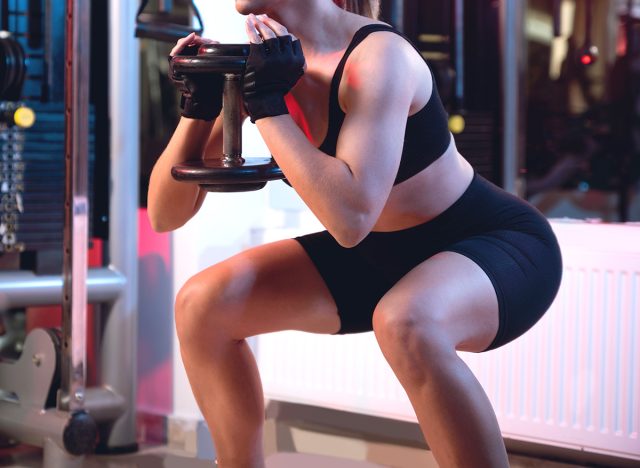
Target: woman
418,247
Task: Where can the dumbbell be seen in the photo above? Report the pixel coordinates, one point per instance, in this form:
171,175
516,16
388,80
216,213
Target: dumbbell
229,172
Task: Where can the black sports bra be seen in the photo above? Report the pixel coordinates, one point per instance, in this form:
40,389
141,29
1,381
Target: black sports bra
427,134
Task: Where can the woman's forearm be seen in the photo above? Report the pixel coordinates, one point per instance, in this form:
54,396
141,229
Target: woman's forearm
172,203
326,184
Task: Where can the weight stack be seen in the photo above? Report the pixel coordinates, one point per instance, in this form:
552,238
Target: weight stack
478,142
32,180
432,27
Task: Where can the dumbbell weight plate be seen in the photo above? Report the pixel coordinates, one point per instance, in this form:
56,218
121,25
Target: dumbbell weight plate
12,68
218,175
213,58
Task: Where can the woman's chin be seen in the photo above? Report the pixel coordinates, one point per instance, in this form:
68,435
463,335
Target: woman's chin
245,7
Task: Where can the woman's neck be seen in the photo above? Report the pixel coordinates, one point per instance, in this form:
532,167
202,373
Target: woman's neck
321,26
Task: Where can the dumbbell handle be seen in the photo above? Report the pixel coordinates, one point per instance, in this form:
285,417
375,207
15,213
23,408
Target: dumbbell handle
232,119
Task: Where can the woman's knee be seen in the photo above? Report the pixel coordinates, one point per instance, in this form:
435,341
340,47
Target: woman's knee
205,302
409,331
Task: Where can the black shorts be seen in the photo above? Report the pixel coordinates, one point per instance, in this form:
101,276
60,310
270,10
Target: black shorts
508,238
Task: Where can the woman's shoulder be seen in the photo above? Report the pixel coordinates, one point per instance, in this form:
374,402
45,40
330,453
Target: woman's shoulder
379,39
386,64
384,48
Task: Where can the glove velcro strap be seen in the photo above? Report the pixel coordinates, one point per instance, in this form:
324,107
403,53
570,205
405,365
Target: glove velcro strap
197,110
266,106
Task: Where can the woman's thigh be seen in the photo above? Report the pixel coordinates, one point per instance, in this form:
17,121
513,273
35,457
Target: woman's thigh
503,277
448,297
265,289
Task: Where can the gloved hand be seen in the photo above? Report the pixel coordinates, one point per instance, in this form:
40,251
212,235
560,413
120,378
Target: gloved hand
273,68
201,93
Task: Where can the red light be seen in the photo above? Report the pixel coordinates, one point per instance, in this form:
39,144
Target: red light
588,55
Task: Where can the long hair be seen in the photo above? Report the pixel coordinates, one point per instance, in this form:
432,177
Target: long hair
370,8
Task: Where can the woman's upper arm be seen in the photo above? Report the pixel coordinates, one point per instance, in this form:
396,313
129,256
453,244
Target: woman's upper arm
378,87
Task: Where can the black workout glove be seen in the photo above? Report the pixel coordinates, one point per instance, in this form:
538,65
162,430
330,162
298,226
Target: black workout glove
273,68
201,93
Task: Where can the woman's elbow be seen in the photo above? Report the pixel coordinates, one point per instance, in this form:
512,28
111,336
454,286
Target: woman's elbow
161,228
348,242
353,231
161,223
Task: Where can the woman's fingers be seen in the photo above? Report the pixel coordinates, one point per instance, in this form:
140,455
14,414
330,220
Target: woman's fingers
252,31
181,43
276,27
191,39
265,31
260,28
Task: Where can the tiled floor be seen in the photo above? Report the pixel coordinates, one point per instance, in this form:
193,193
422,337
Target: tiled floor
164,457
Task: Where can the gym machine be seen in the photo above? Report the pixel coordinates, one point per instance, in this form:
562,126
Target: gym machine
163,24
459,39
44,397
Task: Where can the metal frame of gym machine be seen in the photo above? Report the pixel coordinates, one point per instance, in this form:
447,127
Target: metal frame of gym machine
514,63
68,430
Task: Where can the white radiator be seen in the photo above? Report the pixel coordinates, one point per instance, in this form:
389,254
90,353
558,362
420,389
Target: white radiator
573,381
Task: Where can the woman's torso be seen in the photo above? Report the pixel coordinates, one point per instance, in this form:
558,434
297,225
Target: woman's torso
422,196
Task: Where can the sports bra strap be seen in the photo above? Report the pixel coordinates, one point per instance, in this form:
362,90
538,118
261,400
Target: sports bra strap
427,135
358,37
336,116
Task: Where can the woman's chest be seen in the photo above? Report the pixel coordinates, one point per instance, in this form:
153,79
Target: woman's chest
309,104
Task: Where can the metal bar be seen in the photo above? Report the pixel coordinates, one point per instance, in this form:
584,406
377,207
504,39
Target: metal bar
513,74
74,299
458,54
118,349
397,14
104,404
24,288
4,16
588,16
232,121
32,425
557,18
